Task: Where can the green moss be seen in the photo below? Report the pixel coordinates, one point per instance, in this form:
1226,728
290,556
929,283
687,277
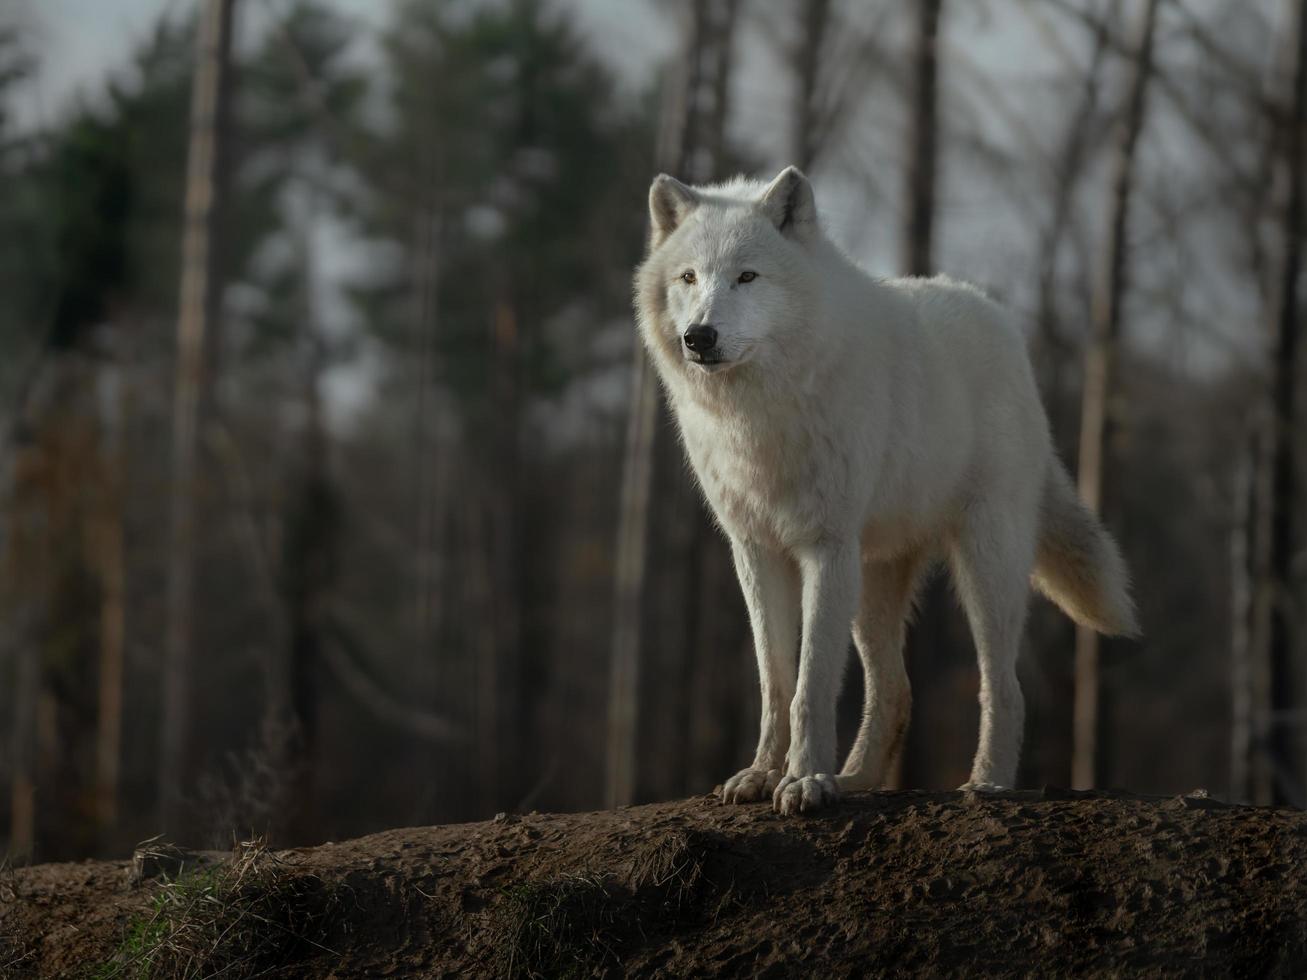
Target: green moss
239,919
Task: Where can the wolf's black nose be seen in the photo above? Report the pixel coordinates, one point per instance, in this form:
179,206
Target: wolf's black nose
700,338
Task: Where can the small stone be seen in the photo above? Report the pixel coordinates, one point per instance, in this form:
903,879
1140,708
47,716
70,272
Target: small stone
158,858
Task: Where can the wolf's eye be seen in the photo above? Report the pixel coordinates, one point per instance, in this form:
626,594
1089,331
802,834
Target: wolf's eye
688,277
748,276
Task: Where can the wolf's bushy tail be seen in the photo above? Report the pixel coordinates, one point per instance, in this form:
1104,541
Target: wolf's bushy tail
1077,563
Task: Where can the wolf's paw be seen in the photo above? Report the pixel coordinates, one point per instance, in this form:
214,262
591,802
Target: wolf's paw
974,786
750,785
804,794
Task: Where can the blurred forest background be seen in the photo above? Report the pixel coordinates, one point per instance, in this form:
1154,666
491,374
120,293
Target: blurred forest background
334,494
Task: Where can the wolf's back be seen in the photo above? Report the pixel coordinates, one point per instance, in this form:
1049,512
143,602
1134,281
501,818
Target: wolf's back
1077,563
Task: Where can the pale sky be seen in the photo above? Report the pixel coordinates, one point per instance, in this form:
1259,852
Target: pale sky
1001,58
77,42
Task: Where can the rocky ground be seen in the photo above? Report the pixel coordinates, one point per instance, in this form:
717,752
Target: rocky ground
932,884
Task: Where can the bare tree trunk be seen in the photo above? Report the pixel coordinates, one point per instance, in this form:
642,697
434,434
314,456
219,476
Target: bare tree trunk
1070,164
433,458
108,750
478,569
690,144
28,581
918,240
1284,587
500,710
720,54
720,645
198,305
27,687
1251,770
1241,668
424,273
1261,769
806,124
310,567
307,574
111,565
1094,422
632,541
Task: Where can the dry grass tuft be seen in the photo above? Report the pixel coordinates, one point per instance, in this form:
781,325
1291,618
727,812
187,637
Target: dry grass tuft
579,925
670,870
683,875
243,918
562,927
14,949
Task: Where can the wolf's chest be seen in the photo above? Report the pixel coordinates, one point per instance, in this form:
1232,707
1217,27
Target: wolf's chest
761,481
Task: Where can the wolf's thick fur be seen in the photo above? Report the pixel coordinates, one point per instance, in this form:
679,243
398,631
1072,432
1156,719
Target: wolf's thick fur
846,432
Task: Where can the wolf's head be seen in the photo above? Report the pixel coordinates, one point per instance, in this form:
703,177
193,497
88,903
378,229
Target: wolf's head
727,278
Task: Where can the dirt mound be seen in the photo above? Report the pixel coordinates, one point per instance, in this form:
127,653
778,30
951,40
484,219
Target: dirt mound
1047,883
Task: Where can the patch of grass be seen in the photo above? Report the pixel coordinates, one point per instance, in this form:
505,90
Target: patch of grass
244,918
580,925
671,872
14,951
686,874
562,927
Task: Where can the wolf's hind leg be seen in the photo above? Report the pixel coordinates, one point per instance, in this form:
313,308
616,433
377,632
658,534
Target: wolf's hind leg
991,563
770,583
888,589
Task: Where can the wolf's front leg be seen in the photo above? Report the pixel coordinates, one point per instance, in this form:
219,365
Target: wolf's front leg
770,583
830,593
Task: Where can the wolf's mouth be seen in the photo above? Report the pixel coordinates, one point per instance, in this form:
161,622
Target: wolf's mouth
711,364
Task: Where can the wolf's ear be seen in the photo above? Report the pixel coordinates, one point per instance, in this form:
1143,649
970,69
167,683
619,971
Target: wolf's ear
669,202
789,203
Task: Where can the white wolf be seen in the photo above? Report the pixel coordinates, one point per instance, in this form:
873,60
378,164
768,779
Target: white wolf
847,431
